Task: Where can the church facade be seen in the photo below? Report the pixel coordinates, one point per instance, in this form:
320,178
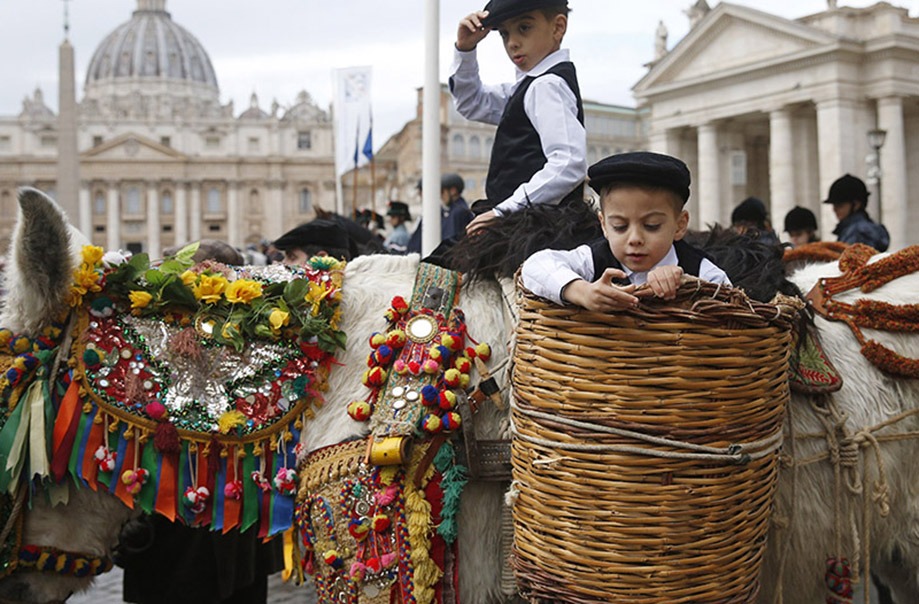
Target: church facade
778,109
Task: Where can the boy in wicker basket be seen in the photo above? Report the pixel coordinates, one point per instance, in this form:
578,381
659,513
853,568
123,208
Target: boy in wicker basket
642,196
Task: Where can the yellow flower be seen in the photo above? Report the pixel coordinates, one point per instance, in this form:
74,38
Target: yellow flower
229,330
75,297
316,295
278,319
140,299
92,255
189,278
86,278
244,290
209,288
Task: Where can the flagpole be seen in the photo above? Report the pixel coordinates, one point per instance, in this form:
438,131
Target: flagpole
430,131
373,187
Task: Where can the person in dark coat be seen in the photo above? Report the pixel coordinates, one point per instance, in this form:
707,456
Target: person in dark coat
751,218
849,197
398,239
454,212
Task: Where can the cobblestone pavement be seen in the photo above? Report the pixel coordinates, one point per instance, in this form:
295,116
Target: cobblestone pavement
107,590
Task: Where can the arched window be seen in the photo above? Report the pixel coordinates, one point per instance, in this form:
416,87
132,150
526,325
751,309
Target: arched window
475,147
255,203
132,202
306,201
214,203
458,147
167,207
99,203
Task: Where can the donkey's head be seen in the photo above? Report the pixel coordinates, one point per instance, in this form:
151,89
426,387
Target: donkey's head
44,250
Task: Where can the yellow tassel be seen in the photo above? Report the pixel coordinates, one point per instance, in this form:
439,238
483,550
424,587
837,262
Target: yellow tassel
257,449
230,420
113,427
129,434
87,407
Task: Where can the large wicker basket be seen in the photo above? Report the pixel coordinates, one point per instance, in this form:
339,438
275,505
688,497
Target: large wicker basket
645,446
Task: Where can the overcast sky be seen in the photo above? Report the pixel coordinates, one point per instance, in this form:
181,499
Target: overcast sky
276,48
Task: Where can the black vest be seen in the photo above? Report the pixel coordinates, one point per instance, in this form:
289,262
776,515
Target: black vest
516,154
688,258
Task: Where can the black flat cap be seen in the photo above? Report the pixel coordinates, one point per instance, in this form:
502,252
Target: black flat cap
848,188
321,233
502,10
641,168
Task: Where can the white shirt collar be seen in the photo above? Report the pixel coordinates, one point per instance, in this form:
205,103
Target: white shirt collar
553,59
641,278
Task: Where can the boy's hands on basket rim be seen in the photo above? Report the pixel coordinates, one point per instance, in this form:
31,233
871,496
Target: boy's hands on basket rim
471,31
602,295
664,281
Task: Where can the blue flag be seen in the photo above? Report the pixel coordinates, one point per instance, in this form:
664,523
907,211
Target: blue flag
368,144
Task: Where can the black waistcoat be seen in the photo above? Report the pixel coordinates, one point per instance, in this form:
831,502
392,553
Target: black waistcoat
517,152
688,258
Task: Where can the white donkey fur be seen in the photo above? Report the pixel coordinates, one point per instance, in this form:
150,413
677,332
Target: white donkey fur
868,397
44,250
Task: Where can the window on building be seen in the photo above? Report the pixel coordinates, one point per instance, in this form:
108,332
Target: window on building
475,147
97,140
48,141
166,141
306,201
6,143
458,146
214,202
134,227
304,140
213,228
255,203
167,228
167,206
99,228
99,203
254,144
212,142
738,168
132,201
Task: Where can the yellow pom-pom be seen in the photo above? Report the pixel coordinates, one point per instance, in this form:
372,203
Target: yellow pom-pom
483,350
230,420
5,336
127,477
22,344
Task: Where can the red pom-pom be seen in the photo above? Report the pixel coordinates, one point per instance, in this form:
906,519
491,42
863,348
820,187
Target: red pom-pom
377,340
452,378
470,352
451,421
447,400
381,523
395,339
399,304
155,410
359,528
463,364
430,366
360,410
432,424
414,367
483,350
376,376
166,438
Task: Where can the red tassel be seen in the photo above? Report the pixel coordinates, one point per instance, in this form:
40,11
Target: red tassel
166,438
213,459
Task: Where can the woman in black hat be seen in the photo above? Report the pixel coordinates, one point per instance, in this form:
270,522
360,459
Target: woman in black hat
398,213
849,197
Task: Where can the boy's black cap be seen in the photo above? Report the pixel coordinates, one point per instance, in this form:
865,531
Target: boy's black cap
643,168
502,10
751,210
800,219
320,232
847,188
399,208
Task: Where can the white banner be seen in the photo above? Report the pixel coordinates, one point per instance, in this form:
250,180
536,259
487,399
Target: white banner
353,118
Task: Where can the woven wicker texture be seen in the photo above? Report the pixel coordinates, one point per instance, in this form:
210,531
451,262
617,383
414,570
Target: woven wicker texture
645,446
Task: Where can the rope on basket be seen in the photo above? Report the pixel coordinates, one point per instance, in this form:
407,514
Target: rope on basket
738,453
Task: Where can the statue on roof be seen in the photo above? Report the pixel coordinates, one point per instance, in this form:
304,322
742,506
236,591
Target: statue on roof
697,12
660,41
831,4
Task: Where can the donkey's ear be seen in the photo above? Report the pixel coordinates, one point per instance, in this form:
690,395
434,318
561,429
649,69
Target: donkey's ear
41,265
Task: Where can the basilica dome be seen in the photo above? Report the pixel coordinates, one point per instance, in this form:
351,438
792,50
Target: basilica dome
151,51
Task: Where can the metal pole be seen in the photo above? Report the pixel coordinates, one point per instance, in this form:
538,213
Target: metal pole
877,151
430,131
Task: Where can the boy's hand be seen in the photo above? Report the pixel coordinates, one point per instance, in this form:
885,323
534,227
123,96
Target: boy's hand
471,31
601,295
664,281
480,221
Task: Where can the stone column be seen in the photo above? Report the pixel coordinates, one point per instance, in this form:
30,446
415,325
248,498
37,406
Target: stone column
194,214
181,214
836,150
667,142
86,211
154,246
274,211
781,166
113,217
709,177
892,210
233,215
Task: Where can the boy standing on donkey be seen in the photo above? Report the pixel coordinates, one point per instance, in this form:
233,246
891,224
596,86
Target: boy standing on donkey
538,161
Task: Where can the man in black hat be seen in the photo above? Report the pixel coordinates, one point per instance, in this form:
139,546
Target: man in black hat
454,212
642,196
540,148
320,237
849,197
398,213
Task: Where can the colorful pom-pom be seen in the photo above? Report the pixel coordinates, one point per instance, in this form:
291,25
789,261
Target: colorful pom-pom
429,395
91,358
260,481
430,366
400,305
376,376
432,424
452,377
360,410
155,410
134,480
395,339
359,528
447,400
470,352
332,558
21,344
374,565
233,490
357,572
5,336
377,340
384,354
436,352
463,364
105,459
381,523
196,498
451,420
285,481
414,367
464,380
483,350
400,367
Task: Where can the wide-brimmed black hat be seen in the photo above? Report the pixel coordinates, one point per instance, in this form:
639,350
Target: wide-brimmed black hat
320,233
399,208
502,10
800,219
751,210
847,188
642,168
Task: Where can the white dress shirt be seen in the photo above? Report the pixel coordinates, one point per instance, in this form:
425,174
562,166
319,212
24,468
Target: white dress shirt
551,107
547,272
